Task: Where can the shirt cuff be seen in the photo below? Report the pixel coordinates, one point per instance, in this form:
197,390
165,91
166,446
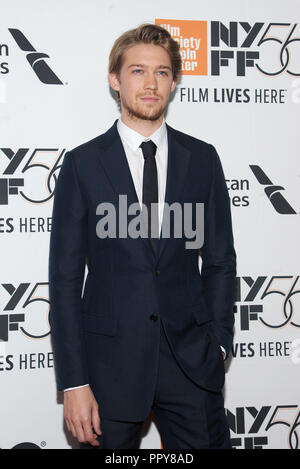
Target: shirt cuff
76,387
224,351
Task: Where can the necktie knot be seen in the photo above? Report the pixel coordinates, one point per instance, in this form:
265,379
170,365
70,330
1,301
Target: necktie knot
148,149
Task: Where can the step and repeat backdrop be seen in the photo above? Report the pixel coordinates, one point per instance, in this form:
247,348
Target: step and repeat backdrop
240,91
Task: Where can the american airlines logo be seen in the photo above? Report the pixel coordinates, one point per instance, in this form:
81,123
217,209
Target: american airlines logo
273,192
36,59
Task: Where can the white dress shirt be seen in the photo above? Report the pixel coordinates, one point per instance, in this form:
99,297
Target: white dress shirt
131,141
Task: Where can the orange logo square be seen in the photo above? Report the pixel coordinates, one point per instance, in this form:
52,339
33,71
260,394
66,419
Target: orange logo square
192,38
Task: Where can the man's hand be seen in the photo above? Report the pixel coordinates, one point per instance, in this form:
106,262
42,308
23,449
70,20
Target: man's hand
81,415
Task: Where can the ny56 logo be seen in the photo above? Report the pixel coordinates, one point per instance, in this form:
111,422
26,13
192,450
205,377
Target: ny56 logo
282,39
271,302
22,310
42,164
277,45
249,425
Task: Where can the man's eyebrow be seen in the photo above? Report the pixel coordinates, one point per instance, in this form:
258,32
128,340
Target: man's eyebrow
136,65
164,66
143,65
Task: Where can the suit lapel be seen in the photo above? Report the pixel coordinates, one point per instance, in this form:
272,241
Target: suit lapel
178,163
114,162
115,165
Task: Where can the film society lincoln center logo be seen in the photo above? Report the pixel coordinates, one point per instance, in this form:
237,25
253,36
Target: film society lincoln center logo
192,38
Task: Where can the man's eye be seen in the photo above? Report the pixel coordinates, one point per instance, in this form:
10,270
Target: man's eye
162,73
137,71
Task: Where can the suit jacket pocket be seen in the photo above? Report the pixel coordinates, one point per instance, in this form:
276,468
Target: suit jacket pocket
201,313
105,324
215,340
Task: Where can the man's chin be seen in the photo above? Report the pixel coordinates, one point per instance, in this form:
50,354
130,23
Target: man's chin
148,115
151,117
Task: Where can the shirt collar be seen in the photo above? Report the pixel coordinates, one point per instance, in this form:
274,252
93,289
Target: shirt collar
134,139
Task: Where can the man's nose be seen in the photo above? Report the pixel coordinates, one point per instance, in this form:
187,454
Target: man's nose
150,81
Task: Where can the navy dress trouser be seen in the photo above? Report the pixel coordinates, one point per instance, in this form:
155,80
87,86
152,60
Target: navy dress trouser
189,417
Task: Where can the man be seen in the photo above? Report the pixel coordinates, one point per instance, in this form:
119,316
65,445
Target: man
149,330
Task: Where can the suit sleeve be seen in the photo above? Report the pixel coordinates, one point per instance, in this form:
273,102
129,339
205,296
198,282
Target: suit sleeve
67,254
218,257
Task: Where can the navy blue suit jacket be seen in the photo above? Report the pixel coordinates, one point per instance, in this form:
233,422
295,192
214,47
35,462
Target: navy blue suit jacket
107,335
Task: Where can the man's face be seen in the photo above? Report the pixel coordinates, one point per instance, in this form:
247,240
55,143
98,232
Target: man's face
145,81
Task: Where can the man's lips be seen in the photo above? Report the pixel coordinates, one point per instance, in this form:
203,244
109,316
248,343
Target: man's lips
150,99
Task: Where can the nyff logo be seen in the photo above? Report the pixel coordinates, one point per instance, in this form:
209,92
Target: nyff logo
41,164
36,59
12,320
272,48
250,424
271,302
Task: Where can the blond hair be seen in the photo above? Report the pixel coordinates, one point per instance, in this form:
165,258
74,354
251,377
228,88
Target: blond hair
146,34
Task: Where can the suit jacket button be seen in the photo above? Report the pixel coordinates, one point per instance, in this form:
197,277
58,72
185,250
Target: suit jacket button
153,317
157,272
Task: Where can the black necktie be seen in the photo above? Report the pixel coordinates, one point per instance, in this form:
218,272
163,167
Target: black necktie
150,190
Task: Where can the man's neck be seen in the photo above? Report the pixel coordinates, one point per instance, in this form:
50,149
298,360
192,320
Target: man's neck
143,127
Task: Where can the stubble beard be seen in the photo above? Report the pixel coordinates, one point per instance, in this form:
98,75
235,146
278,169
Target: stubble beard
136,113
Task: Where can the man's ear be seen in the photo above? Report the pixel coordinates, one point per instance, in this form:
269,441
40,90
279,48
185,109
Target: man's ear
114,81
173,86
